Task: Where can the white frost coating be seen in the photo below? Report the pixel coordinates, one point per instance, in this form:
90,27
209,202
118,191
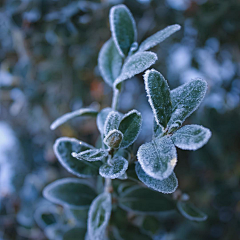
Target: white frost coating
116,169
109,62
164,106
98,216
198,216
158,37
167,185
91,155
113,26
51,186
112,122
101,118
191,137
113,139
136,64
68,116
158,157
133,129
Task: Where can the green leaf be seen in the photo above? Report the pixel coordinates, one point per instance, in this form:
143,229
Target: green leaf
113,139
63,149
116,168
98,216
191,137
112,122
158,157
123,28
185,100
157,129
101,119
91,155
70,192
144,200
135,64
55,231
158,37
158,93
75,233
167,185
109,62
130,126
80,112
190,212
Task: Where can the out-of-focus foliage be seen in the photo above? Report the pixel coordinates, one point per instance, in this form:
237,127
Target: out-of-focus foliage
48,65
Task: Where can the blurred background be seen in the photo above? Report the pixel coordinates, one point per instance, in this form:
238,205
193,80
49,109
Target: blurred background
48,66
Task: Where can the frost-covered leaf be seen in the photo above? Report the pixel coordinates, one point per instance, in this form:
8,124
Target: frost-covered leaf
116,168
113,139
63,149
158,93
185,100
109,62
55,231
158,157
75,233
190,212
91,155
80,112
112,122
157,129
101,119
191,137
158,37
144,200
136,64
70,192
130,126
98,216
167,185
123,28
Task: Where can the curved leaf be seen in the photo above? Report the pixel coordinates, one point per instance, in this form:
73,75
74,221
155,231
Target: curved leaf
123,28
70,192
158,93
158,37
63,149
80,112
91,155
115,169
101,119
167,185
109,62
112,122
158,157
113,139
191,137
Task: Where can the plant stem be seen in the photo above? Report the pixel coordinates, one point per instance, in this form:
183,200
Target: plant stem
115,99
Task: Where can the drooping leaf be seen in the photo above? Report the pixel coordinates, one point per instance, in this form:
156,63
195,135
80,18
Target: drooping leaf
190,212
135,64
101,119
123,28
109,62
130,126
70,192
113,139
99,215
158,93
144,200
112,122
116,168
158,157
167,185
74,233
91,155
158,37
191,137
185,100
157,129
63,149
80,112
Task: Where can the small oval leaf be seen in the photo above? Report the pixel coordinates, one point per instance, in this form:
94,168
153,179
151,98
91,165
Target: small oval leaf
70,192
167,185
191,137
113,139
101,119
91,155
115,169
112,122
